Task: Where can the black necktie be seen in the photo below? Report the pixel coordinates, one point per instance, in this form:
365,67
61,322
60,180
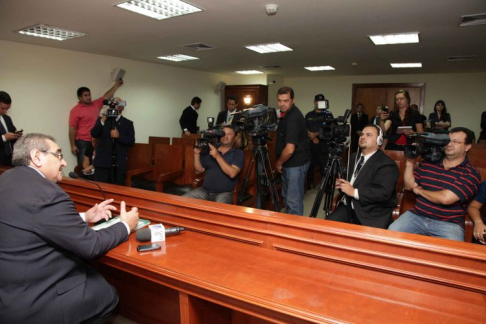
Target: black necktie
359,166
6,145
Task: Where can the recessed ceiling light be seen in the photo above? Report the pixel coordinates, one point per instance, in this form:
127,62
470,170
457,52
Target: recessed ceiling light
159,9
249,72
395,39
178,58
405,65
320,68
49,32
269,48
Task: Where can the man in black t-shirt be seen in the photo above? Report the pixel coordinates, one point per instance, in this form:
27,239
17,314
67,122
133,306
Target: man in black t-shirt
293,152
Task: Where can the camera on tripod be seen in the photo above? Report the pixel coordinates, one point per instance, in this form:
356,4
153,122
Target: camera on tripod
257,120
428,145
335,130
112,111
212,136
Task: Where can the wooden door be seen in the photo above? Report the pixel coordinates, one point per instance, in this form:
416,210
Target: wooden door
372,95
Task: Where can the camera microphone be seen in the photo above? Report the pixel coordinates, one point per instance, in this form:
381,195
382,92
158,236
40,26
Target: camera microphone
145,235
74,175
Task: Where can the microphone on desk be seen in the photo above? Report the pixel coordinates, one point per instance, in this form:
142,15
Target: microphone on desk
74,175
145,235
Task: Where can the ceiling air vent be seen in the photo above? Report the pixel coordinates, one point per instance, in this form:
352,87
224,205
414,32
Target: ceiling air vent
198,47
269,67
461,58
473,20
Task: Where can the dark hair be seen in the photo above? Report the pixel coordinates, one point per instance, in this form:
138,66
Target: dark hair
360,104
444,112
5,98
285,90
82,90
467,131
234,98
196,100
27,143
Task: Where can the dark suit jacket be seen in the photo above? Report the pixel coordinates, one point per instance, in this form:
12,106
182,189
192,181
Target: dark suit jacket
357,125
376,184
4,159
104,147
221,119
43,247
189,120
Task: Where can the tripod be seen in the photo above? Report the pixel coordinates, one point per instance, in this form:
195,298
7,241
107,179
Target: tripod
114,161
263,174
334,168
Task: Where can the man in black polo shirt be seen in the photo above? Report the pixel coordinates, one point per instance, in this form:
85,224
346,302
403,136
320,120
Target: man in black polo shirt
222,166
293,152
443,191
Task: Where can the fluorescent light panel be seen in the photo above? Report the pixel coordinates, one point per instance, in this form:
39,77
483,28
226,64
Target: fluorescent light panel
405,65
395,39
249,72
319,68
49,32
178,58
159,9
269,48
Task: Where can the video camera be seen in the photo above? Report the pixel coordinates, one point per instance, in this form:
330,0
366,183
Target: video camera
335,129
112,110
258,120
428,145
210,136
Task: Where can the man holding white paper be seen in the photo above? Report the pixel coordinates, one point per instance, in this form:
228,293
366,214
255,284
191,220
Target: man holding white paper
44,243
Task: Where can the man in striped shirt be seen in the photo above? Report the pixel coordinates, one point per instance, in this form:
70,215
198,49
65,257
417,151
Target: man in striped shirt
443,191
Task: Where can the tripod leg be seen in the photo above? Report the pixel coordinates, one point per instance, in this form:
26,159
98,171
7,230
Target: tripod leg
327,182
272,187
241,194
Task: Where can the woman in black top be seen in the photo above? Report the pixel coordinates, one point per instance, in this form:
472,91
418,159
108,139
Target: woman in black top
440,116
403,115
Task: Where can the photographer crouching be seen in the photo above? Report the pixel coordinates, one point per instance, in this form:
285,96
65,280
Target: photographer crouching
443,185
115,134
222,165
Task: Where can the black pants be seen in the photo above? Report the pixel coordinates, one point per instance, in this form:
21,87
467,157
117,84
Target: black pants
317,158
110,175
344,214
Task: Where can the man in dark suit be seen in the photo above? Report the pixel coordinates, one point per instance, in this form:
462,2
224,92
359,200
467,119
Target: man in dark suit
7,130
115,134
358,122
188,120
45,242
225,116
369,195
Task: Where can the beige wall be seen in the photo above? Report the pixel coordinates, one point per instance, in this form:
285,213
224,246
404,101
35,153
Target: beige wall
462,93
43,82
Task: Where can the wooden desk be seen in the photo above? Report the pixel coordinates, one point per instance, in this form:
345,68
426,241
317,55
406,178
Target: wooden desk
242,265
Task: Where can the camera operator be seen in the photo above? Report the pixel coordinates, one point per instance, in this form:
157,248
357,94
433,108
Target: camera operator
293,152
222,166
369,196
82,118
443,191
114,134
318,147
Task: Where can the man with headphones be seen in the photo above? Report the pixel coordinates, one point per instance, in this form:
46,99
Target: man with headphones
368,196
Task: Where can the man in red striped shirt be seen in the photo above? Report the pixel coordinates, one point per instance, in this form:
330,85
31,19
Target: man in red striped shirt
443,191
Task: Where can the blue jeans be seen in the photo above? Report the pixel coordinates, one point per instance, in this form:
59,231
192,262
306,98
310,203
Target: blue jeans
81,145
293,180
412,223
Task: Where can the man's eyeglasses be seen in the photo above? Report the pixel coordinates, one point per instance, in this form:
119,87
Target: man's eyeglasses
58,155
